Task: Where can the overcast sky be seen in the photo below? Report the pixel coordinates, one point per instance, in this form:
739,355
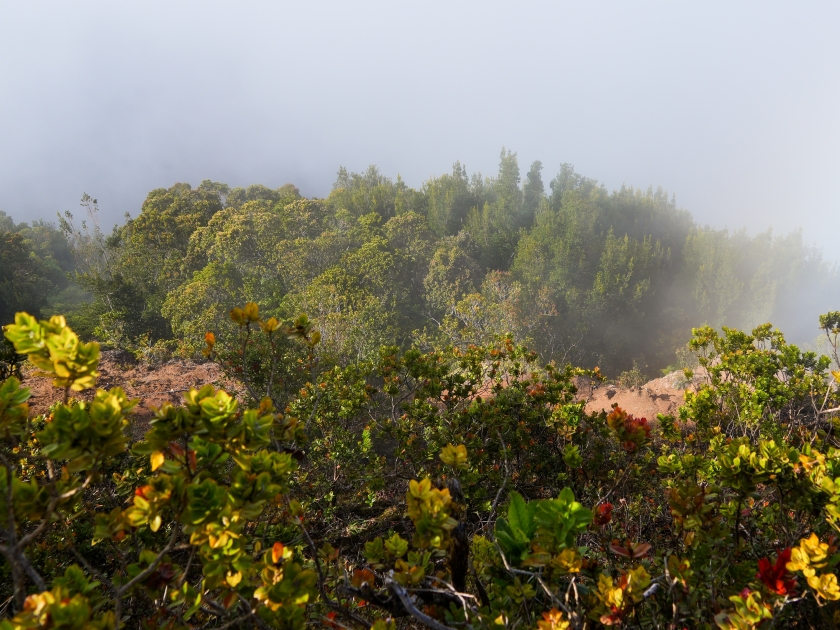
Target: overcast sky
734,107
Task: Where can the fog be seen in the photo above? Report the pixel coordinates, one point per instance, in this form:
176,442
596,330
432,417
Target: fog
732,107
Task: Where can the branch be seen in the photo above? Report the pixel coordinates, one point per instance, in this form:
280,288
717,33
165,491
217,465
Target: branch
152,567
87,565
18,556
245,363
391,604
504,482
140,577
53,504
269,387
401,593
617,483
531,574
349,614
14,550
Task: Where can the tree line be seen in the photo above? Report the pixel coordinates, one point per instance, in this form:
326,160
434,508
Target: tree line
569,268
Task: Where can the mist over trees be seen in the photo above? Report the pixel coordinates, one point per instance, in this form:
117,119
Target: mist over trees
581,273
417,361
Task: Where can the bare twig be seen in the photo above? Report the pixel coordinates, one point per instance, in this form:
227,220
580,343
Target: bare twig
349,614
403,596
504,483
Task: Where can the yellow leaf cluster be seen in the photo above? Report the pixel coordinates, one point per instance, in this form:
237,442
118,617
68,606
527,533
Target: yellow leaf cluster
455,456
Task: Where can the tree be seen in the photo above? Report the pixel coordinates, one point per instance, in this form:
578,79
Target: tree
453,273
495,225
363,193
24,281
448,201
533,193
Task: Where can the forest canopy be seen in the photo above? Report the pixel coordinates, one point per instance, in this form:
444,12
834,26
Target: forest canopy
406,441
569,268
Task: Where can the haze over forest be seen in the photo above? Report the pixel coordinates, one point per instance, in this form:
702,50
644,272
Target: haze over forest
396,316
705,138
732,108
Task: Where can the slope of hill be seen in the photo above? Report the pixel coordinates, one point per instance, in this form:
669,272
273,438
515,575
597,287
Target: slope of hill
156,384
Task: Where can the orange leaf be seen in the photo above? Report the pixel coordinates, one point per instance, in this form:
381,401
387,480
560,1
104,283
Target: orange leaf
277,552
363,576
141,491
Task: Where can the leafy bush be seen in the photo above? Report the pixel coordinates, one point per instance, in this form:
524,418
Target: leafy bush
567,271
461,488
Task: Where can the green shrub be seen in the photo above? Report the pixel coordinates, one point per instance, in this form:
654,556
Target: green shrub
461,488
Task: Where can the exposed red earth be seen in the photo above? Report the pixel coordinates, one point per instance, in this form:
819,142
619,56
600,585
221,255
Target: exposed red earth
152,384
662,395
155,384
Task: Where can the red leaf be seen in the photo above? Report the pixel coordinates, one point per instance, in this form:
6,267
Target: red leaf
603,514
776,577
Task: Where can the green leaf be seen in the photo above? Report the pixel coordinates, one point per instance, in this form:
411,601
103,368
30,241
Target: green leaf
521,516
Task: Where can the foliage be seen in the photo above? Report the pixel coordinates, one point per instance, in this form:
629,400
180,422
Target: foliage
459,260
519,508
192,488
400,451
34,262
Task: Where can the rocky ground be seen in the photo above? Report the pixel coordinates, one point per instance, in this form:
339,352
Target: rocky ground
662,395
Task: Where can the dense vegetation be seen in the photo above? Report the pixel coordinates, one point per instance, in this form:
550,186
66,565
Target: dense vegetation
566,269
399,456
35,261
521,509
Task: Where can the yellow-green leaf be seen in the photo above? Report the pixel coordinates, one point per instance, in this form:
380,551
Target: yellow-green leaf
157,458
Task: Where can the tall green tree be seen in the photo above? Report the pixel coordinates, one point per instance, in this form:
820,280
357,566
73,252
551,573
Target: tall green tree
24,280
533,193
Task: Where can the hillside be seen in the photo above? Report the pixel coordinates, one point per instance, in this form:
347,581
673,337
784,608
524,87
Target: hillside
155,384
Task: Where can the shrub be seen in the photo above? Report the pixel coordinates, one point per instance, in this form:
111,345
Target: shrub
520,509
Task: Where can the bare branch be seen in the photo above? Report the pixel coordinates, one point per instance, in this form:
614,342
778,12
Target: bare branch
403,596
504,482
349,614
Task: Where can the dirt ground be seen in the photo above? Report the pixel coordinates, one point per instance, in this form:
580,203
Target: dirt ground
662,395
154,385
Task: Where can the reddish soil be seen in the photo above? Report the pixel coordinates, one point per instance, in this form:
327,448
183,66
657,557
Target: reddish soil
153,385
662,395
